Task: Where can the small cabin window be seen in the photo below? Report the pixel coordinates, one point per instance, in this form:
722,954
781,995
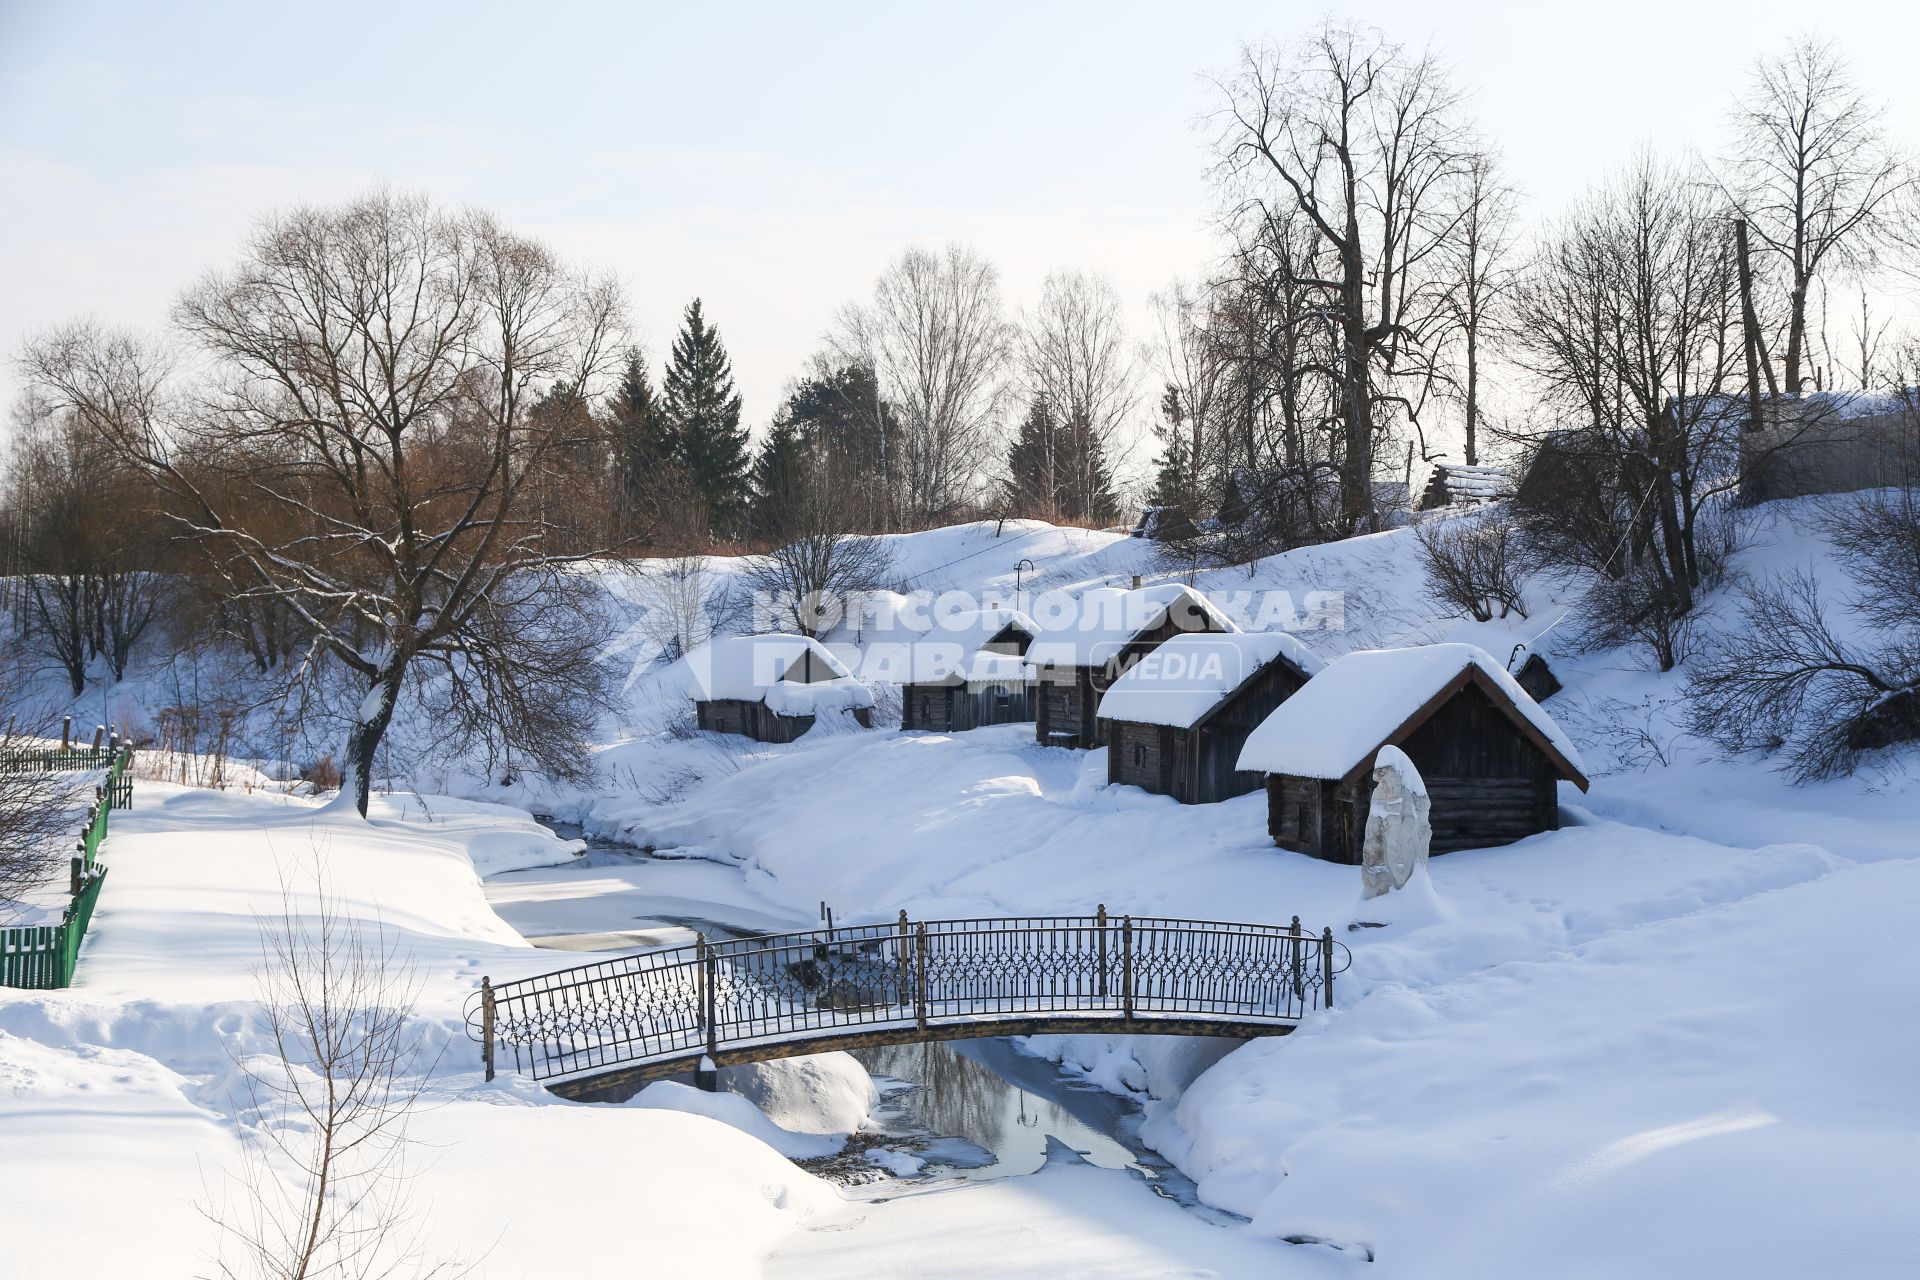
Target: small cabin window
1300,818
1139,755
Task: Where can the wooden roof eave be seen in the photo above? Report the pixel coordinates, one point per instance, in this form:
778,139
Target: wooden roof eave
1221,703
1240,688
1498,696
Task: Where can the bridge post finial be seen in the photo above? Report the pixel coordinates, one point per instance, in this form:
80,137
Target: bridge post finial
1100,937
486,1024
707,1076
1326,967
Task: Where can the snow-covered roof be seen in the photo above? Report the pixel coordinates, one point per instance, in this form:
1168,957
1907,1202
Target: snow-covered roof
1335,723
954,648
1105,620
793,675
1457,482
1183,680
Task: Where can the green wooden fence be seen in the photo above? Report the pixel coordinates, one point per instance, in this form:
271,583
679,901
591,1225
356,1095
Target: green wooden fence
53,759
43,957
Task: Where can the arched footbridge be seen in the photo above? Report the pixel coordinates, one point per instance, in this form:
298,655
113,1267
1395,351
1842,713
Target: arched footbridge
652,1014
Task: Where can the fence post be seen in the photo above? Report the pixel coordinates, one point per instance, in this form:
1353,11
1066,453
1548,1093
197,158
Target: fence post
75,882
1100,919
97,731
1126,966
1298,964
1326,968
707,1075
66,732
920,975
905,945
486,1024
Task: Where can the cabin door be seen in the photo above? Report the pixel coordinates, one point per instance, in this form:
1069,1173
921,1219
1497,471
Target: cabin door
1348,843
939,707
1173,763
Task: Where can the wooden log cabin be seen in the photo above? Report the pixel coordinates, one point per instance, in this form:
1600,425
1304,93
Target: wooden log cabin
969,670
1492,758
1075,662
1177,720
773,688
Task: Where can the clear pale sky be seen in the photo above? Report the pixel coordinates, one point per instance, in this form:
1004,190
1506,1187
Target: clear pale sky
771,157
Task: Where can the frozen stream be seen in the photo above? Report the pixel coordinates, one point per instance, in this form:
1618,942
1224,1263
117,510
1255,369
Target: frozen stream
974,1110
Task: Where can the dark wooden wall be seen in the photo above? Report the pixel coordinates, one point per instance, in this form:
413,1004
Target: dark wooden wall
755,720
926,706
1487,784
950,708
1068,698
1063,701
1198,765
1139,755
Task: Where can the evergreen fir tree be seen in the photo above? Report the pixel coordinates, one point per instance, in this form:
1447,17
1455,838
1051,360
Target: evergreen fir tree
1089,494
1033,465
1058,470
638,440
779,476
702,414
1173,481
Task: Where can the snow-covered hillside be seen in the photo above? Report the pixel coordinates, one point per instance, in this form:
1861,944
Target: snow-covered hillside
1674,1038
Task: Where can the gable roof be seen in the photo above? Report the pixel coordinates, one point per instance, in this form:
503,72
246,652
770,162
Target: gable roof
1184,681
1107,619
954,649
1372,698
793,675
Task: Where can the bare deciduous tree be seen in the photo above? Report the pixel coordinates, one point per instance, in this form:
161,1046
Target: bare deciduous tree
1813,177
1195,374
1076,360
938,343
1475,563
1627,320
807,581
85,545
364,451
36,809
1484,276
1786,681
1361,147
323,1187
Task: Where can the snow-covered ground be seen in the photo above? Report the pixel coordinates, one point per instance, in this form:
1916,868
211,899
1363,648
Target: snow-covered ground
1675,1038
124,1090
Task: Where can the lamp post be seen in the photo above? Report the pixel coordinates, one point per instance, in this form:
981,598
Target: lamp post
1024,564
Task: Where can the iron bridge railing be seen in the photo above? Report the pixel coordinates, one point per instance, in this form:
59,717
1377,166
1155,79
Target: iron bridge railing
700,999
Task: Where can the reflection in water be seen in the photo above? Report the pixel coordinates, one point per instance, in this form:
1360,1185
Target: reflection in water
971,1109
995,1098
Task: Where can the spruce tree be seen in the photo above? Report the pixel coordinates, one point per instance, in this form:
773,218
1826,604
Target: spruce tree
779,477
638,442
1089,494
1034,465
702,414
1173,481
1058,470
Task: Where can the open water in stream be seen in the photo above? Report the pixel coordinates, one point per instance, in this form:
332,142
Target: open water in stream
961,1110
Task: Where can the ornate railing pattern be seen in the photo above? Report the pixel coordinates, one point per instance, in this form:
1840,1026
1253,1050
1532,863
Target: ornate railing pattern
707,997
